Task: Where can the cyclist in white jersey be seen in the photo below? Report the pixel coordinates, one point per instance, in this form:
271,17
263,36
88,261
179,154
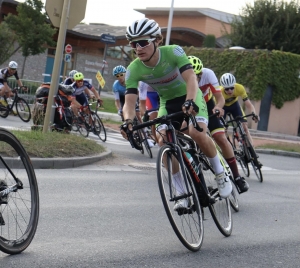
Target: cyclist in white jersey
167,69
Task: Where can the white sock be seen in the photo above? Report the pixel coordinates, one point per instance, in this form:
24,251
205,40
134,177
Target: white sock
216,164
178,183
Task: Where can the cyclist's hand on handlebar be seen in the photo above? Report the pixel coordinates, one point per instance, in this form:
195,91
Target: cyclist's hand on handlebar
218,111
190,107
100,102
126,128
255,117
24,88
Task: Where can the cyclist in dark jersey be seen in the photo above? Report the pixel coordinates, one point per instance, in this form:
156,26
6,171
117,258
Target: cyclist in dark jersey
5,73
168,70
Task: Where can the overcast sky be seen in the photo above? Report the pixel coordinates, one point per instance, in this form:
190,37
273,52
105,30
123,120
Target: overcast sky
121,12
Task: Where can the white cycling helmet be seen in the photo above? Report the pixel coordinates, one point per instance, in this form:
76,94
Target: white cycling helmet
13,65
71,73
227,80
142,27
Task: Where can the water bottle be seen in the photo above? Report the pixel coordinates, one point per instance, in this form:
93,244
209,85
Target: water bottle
194,165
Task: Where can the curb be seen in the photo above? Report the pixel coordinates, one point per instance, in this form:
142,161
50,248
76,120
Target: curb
278,152
71,162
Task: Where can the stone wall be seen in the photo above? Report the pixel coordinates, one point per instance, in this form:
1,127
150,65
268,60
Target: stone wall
34,66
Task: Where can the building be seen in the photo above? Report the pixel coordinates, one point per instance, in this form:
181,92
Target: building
189,28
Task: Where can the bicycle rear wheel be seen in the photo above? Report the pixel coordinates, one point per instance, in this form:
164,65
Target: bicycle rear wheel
241,155
99,128
19,196
187,224
3,110
220,210
23,109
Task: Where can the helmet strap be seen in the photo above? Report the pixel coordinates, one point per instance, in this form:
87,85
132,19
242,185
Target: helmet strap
152,54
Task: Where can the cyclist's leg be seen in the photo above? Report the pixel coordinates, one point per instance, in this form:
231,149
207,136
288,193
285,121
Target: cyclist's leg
207,146
218,133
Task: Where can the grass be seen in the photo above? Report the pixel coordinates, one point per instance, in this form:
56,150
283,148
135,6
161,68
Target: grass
108,105
289,147
54,144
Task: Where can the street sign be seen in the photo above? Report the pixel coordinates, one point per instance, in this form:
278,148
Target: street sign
107,38
68,57
100,79
68,48
54,10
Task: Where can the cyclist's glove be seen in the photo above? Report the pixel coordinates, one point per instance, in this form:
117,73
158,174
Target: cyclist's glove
189,103
120,112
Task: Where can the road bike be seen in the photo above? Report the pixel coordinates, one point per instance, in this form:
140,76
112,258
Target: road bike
19,195
242,147
88,121
18,106
181,155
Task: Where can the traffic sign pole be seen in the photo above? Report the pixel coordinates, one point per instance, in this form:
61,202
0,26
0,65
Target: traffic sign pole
49,116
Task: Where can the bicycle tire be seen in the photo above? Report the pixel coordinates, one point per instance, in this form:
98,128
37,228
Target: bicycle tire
240,155
220,210
233,198
23,109
19,217
188,226
140,140
255,164
99,128
4,112
146,144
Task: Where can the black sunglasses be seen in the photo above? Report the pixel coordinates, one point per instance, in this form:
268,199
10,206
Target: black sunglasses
229,88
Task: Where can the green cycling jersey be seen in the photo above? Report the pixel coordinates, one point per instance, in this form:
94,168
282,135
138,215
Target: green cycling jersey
165,77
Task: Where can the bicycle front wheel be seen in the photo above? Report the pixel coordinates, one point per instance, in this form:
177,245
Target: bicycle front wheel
23,110
255,164
146,144
187,225
241,155
99,128
19,196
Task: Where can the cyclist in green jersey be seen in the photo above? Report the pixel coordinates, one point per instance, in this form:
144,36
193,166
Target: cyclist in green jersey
168,70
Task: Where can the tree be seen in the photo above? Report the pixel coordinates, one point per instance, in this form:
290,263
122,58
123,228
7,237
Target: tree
209,41
33,33
268,24
7,41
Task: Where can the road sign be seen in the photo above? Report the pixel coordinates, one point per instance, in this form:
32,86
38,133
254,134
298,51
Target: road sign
68,57
68,48
76,14
100,79
107,38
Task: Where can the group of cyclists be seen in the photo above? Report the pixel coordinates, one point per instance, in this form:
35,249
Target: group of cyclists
181,83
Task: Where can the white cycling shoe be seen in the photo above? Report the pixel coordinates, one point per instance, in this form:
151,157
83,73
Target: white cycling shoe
181,204
151,144
224,185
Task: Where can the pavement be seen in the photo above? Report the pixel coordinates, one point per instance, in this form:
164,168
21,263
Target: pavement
57,163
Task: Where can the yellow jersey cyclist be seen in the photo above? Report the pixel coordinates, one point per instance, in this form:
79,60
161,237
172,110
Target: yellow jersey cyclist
209,85
231,92
168,70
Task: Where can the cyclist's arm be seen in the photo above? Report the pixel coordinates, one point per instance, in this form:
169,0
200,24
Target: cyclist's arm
220,102
20,84
251,108
191,84
130,103
95,93
142,106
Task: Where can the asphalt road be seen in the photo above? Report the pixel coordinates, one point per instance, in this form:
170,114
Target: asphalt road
109,214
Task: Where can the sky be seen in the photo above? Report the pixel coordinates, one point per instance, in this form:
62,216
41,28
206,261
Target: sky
121,12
